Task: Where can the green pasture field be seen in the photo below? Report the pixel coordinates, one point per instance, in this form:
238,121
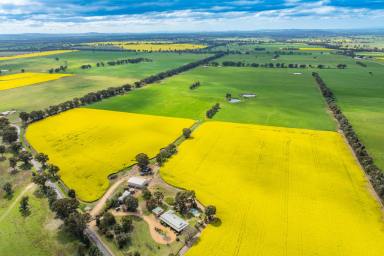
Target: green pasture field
40,96
301,57
269,46
283,99
360,95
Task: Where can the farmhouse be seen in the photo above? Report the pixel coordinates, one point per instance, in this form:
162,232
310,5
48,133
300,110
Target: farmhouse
174,221
137,182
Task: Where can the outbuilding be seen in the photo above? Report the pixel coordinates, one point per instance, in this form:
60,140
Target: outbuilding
123,196
137,182
173,221
157,211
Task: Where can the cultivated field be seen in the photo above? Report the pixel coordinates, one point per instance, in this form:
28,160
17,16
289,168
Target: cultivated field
86,80
88,145
282,98
278,192
360,95
24,79
34,54
149,46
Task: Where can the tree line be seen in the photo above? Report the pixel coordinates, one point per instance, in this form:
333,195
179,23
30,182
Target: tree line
93,97
374,173
274,65
213,110
194,85
117,62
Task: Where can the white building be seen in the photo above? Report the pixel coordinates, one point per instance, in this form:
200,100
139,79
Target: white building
123,196
137,182
174,221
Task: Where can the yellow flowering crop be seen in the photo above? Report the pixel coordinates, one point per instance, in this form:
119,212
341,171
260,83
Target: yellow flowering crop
35,54
278,191
152,46
88,144
24,79
314,49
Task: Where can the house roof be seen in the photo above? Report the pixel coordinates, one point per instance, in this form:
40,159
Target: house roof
174,221
124,195
158,210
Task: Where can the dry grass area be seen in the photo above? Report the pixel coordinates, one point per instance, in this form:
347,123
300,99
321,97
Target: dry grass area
278,191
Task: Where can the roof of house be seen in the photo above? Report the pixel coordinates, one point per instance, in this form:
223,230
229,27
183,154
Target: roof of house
173,220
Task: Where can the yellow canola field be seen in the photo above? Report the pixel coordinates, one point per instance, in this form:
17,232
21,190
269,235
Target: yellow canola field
25,79
278,191
314,49
35,54
88,144
151,46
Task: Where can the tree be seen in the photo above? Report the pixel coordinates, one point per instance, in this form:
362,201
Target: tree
72,193
94,251
187,133
2,151
24,116
52,171
4,123
24,206
42,159
158,196
146,194
131,203
25,157
126,224
12,162
122,240
210,212
10,135
185,200
151,204
64,207
15,147
142,160
7,187
40,180
76,223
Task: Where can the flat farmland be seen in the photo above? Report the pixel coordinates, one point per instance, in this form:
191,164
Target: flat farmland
84,81
278,191
24,79
33,54
88,145
360,95
282,98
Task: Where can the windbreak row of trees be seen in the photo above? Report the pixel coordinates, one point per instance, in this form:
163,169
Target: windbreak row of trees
116,62
213,110
275,65
58,70
194,85
376,175
93,97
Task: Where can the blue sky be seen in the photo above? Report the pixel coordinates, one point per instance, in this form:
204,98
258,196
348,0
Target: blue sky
70,16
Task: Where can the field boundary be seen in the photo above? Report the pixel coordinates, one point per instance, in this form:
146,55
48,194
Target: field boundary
374,174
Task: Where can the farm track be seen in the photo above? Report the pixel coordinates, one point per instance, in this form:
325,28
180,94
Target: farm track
29,187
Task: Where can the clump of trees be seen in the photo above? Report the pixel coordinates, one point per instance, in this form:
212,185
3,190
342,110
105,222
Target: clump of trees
58,70
184,201
166,153
361,64
213,110
187,133
376,176
276,65
194,85
24,207
118,232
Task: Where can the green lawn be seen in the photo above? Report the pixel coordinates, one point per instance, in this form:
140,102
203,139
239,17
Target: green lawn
34,235
360,95
142,242
40,96
283,99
